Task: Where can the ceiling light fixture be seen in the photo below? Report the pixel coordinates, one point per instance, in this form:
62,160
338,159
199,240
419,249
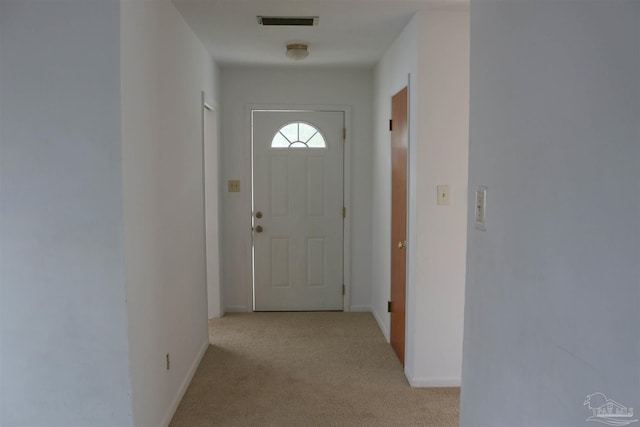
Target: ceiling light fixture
297,51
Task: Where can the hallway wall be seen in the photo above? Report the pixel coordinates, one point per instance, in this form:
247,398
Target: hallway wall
164,71
292,86
553,284
434,49
442,151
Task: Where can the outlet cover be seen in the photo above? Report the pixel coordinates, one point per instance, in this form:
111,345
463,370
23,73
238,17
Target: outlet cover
234,186
481,208
443,194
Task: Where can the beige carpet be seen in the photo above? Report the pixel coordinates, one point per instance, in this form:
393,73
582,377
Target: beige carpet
307,369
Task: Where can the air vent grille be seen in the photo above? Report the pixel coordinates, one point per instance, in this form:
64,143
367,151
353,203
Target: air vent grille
295,21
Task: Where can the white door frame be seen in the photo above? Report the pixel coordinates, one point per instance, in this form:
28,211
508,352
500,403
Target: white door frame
211,196
248,172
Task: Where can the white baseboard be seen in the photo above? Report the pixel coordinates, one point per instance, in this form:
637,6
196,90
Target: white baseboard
360,308
435,382
384,328
237,309
185,384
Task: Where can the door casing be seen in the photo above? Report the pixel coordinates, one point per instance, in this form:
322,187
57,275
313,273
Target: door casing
211,196
248,195
313,180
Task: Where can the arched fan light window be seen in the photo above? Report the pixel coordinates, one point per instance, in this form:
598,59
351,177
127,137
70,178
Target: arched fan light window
298,135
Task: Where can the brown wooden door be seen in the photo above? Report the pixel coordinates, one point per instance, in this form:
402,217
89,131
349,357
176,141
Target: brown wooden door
399,149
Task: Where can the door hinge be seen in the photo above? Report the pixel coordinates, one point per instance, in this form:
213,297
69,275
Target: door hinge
390,125
343,289
388,306
344,133
344,212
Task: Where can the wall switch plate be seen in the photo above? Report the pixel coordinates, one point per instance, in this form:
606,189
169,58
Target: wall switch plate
481,208
234,186
443,194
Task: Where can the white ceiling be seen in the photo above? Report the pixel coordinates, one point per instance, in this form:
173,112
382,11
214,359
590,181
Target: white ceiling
349,33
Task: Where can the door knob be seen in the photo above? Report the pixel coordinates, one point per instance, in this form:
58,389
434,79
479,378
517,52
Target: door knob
402,244
258,214
259,229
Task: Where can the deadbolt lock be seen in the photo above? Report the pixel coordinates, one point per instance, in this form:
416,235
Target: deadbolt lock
259,229
258,214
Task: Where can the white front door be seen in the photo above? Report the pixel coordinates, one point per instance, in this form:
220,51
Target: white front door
298,210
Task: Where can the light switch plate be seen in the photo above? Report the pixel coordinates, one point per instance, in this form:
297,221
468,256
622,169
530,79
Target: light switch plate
234,186
443,194
481,208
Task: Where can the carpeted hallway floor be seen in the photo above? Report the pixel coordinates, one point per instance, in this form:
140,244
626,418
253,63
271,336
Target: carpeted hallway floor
307,369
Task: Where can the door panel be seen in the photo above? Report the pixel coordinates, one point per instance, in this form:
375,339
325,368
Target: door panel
399,150
298,255
280,188
315,186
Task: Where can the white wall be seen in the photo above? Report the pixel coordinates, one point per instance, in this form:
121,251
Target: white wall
553,284
439,233
164,70
1,273
434,49
292,86
63,309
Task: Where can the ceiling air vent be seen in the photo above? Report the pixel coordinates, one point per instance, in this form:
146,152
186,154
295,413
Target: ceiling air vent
295,21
